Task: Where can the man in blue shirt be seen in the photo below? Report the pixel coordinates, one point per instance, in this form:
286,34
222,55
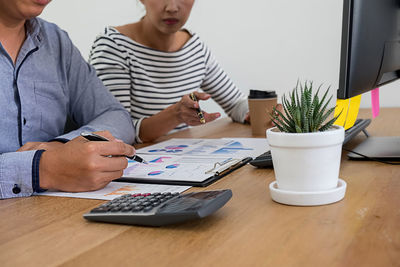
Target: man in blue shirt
43,78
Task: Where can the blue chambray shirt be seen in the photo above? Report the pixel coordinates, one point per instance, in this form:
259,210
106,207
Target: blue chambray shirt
49,80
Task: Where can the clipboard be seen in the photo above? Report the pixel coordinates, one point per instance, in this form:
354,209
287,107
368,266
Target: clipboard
191,161
219,170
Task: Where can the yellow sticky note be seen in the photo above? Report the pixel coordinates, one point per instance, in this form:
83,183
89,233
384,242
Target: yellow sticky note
353,111
342,105
349,109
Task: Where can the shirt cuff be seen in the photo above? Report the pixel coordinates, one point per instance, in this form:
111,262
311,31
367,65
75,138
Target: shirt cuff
16,174
35,172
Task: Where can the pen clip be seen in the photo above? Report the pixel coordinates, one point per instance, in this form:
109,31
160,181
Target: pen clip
193,96
220,167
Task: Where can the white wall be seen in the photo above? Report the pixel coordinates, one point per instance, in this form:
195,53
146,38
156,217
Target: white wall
261,44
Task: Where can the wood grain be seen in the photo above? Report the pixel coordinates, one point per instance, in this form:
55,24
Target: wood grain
251,230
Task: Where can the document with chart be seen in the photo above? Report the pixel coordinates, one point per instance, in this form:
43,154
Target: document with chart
196,162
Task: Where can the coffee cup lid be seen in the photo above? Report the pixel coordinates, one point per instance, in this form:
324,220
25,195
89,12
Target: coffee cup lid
261,94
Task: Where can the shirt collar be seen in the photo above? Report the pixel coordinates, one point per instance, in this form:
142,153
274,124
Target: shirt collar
34,30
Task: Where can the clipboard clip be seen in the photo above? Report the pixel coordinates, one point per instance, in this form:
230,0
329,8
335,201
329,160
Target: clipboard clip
226,165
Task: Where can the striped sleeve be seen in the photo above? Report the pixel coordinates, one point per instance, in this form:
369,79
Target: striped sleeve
111,62
218,84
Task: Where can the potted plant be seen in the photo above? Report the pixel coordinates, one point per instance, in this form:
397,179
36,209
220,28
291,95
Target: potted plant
306,149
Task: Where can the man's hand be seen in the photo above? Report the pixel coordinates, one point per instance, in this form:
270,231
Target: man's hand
187,110
82,165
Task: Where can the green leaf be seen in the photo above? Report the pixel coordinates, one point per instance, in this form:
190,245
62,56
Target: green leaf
304,111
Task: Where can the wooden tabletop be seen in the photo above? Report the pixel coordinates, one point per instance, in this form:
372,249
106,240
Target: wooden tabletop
251,230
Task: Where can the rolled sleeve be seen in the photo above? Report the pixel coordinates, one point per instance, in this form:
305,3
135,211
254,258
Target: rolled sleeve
92,105
16,172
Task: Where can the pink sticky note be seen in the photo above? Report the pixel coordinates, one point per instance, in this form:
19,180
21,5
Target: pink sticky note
375,102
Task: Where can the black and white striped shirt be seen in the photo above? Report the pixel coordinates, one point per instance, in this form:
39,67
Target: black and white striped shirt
146,81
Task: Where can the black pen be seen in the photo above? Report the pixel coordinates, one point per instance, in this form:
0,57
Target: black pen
199,112
96,137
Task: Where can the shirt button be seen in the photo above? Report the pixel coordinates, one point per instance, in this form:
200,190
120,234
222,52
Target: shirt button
24,121
16,189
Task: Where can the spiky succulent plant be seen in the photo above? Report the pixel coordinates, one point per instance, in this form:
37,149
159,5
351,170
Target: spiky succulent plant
303,111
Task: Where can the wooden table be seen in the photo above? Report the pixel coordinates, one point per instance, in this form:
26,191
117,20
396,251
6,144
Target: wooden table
251,230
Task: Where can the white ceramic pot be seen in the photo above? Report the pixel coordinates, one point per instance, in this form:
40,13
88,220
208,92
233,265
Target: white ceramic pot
306,162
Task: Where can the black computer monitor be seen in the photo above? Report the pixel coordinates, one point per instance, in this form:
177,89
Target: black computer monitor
370,58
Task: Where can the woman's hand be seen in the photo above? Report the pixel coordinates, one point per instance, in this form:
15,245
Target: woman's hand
187,110
279,107
184,111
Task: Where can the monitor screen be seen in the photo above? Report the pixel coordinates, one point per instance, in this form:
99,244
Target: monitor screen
370,53
370,58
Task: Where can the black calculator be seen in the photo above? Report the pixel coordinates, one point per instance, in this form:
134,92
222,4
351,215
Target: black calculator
157,209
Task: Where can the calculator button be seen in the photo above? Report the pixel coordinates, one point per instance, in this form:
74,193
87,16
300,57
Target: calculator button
137,208
126,209
134,205
115,209
155,204
148,208
99,210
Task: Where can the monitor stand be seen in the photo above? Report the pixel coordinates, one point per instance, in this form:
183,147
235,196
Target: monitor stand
382,148
359,125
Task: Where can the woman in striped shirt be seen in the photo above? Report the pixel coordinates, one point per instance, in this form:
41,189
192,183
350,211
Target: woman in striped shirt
152,66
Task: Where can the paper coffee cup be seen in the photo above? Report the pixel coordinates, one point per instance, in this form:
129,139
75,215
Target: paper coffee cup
261,104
